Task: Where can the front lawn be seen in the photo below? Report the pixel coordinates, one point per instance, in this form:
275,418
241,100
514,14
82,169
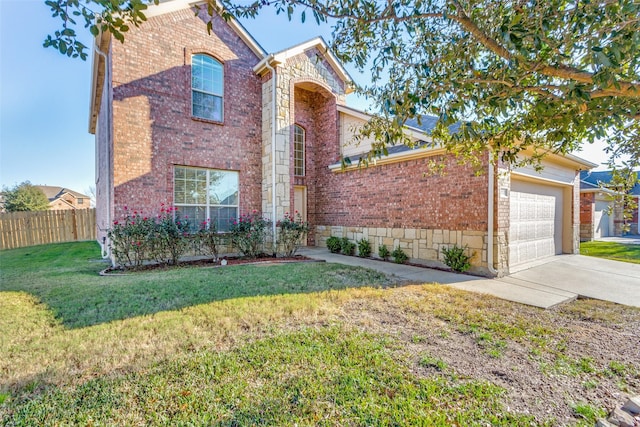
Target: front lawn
611,250
305,344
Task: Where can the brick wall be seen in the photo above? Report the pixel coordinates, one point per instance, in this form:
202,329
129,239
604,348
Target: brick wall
152,123
402,195
316,113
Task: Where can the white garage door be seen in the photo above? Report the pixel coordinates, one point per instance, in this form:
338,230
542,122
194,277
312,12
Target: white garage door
601,219
535,221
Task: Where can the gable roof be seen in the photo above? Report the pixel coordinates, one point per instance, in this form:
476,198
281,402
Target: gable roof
53,192
168,6
321,45
103,39
591,180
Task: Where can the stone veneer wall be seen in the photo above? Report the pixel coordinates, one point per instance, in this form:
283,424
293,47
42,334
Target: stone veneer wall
422,245
309,68
587,206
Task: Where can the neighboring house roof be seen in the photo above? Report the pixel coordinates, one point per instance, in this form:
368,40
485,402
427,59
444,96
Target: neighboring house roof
589,181
321,45
54,193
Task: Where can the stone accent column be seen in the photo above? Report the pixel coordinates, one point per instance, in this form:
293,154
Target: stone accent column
282,177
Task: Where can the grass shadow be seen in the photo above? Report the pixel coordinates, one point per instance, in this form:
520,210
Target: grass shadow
65,278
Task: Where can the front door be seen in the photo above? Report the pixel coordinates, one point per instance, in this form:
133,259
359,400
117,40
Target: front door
300,203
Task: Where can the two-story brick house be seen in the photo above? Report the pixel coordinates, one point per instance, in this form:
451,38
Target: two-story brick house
214,125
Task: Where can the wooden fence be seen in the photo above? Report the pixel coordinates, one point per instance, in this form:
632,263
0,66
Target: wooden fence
18,229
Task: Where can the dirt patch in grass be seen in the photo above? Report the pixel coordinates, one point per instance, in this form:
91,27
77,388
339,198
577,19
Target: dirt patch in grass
550,362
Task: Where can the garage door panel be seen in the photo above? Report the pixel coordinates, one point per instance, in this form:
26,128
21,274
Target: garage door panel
535,221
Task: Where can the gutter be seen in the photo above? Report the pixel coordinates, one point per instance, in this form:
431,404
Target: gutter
273,148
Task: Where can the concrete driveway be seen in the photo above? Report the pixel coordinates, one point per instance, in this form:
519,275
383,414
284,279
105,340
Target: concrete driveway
547,283
585,276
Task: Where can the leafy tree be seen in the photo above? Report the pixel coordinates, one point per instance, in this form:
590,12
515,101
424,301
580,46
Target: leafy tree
622,182
25,197
513,75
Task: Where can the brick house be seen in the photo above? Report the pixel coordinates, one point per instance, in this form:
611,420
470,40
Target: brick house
214,125
64,199
600,215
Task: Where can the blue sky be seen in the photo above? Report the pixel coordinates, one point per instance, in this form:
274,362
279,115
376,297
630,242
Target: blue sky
44,97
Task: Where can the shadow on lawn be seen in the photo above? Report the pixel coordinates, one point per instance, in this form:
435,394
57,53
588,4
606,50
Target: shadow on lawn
69,284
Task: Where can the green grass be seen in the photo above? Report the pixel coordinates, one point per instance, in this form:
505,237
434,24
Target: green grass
64,277
311,377
611,250
306,344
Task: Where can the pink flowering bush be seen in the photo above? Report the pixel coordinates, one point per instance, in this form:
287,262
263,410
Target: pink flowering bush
137,238
128,238
249,234
291,231
168,239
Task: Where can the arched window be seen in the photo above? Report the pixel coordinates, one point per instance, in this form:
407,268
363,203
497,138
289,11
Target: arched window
298,150
207,84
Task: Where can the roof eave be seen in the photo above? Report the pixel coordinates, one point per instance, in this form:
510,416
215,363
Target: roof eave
280,57
98,73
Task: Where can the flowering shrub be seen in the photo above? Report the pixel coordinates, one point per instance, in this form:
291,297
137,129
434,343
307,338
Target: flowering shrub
138,238
249,234
128,239
290,233
168,239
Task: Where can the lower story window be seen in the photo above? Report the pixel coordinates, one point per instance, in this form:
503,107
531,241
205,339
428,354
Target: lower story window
206,194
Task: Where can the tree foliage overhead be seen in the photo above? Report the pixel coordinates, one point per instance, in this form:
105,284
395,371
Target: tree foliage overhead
543,75
25,197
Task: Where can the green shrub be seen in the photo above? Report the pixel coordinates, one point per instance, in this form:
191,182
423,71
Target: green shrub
249,234
209,240
169,238
290,233
383,252
347,247
334,244
364,248
456,258
399,256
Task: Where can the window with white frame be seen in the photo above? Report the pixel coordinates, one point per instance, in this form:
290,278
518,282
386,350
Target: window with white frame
206,194
207,85
298,150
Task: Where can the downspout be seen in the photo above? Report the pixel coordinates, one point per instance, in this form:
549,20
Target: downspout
490,210
274,212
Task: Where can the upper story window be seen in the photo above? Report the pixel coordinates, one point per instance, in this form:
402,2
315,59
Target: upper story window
207,84
298,150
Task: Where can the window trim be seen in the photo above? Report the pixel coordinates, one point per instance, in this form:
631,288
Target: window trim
207,205
220,95
303,131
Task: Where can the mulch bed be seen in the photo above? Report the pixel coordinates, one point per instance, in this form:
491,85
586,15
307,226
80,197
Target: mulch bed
210,263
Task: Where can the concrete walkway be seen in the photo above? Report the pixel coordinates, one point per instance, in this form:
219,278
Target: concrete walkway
509,289
629,239
544,284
